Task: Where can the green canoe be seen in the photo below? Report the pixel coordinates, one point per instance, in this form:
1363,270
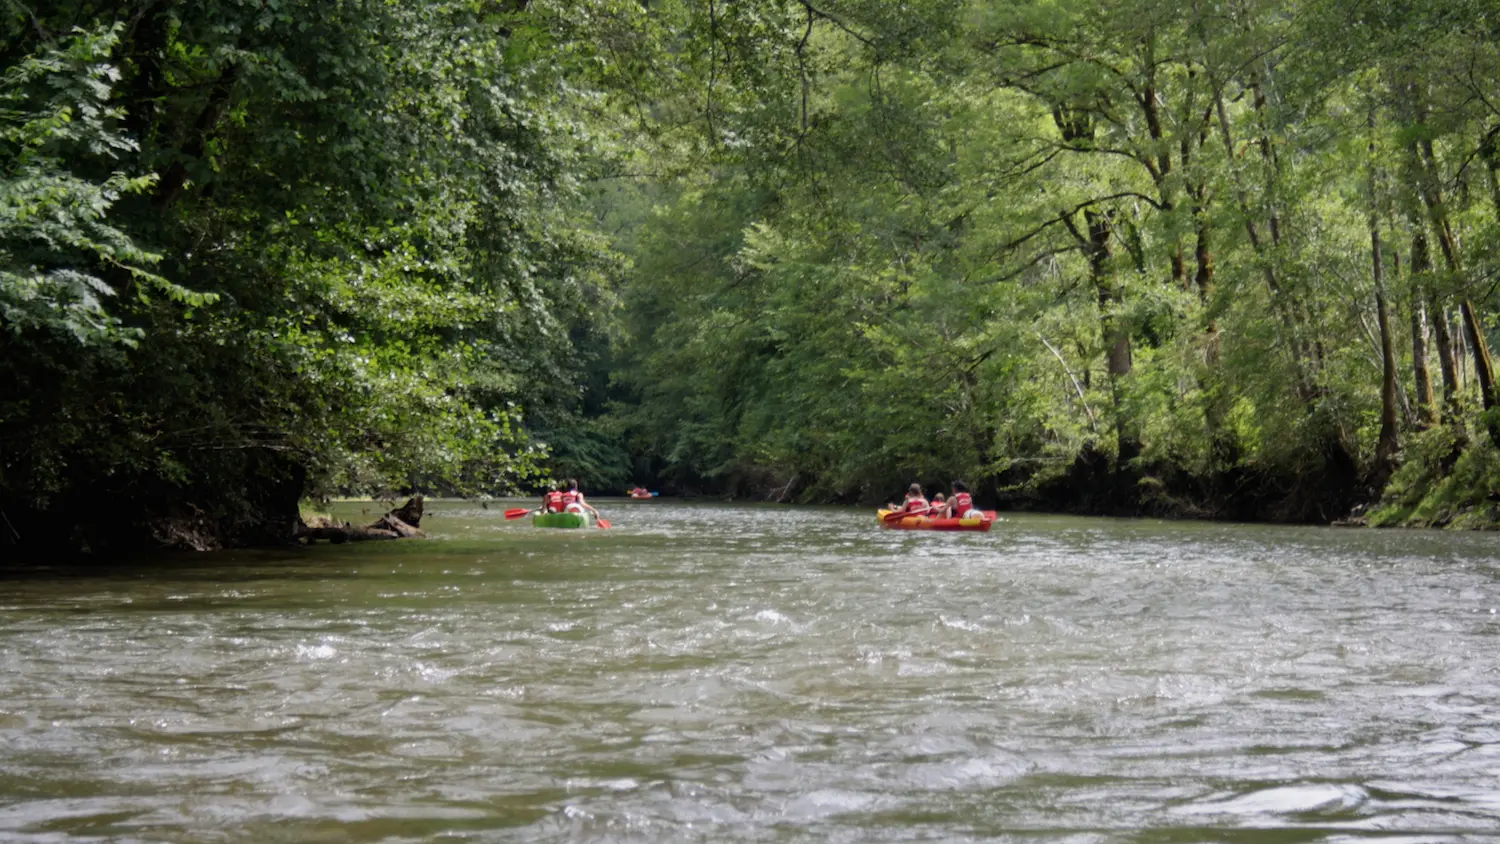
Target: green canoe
562,520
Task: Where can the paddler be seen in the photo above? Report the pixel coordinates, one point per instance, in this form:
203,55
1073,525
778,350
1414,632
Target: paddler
915,503
962,505
552,502
572,501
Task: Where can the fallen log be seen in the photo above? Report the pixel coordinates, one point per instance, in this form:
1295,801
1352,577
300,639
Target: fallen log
402,529
400,523
345,533
410,512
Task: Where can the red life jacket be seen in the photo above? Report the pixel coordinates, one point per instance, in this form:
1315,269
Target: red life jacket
962,503
916,505
554,501
569,497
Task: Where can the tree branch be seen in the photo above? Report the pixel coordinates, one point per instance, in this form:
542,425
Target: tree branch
811,10
713,69
31,16
802,68
1035,259
1093,422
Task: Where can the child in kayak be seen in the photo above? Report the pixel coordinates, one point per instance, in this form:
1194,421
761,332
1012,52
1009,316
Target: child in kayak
962,505
915,503
939,508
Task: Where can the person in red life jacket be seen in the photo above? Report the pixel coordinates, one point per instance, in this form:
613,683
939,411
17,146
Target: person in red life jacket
915,503
939,507
552,502
962,504
573,502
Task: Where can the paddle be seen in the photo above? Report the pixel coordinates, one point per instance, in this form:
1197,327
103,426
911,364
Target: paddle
516,513
604,524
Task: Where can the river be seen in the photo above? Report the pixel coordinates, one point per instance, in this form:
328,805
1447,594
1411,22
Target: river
722,672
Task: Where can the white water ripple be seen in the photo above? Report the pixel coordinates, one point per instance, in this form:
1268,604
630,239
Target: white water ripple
720,673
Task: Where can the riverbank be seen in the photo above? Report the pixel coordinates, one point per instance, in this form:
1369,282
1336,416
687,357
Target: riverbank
1431,488
1435,489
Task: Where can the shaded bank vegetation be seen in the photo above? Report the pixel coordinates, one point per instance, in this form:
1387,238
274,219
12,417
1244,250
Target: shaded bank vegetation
254,251
1225,259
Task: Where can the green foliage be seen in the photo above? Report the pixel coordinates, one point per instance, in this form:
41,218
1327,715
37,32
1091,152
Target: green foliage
1114,255
1426,492
590,452
60,255
886,269
376,209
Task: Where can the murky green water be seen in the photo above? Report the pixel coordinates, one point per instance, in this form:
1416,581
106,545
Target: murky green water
735,673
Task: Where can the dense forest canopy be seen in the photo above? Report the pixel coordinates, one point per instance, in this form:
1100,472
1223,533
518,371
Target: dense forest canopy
1230,258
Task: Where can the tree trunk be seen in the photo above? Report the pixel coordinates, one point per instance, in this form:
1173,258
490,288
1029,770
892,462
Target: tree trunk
1203,279
1484,367
1421,265
1387,444
1460,350
1119,361
1489,150
1226,451
1291,334
175,180
1268,154
1078,126
1484,364
147,49
1427,414
1447,364
1427,199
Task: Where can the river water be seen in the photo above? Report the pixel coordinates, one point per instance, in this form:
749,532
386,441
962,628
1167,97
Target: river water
721,673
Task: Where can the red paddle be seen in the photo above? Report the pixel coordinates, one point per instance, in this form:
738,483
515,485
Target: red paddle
604,524
516,513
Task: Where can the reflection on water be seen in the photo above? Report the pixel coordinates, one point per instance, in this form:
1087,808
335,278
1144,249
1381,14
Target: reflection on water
754,673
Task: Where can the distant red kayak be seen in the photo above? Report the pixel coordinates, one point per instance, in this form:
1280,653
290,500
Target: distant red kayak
924,523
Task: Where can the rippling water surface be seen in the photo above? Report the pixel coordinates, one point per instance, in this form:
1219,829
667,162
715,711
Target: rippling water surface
763,674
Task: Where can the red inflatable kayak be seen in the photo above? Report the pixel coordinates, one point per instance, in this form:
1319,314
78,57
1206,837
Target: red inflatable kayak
924,523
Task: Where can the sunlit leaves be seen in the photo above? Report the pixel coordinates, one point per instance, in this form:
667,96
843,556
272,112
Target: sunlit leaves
61,255
905,285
